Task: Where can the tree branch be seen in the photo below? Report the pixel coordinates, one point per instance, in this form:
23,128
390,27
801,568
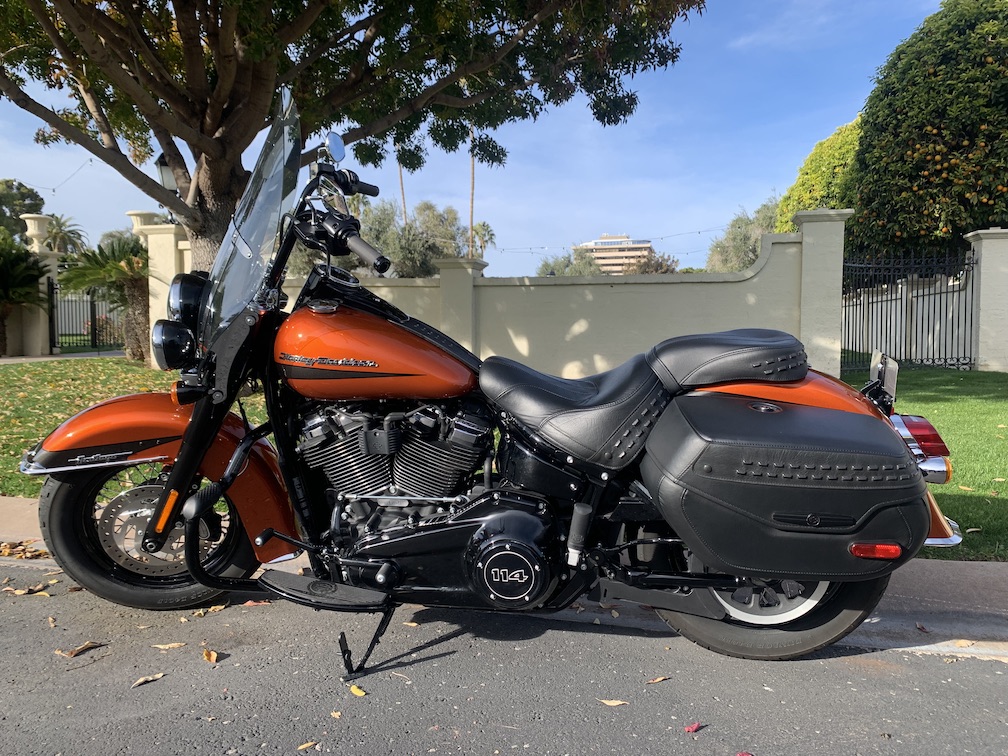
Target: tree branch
297,28
113,158
188,26
311,57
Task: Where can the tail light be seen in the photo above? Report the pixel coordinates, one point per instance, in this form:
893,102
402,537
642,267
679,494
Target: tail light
926,436
876,550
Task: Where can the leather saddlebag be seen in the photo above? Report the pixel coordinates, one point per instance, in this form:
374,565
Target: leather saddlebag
772,489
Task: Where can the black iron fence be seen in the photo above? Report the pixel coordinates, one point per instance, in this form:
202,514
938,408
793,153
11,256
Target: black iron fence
915,308
82,321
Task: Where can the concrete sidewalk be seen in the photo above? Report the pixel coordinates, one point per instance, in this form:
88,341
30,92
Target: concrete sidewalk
931,606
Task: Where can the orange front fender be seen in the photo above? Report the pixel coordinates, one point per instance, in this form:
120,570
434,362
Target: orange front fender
149,427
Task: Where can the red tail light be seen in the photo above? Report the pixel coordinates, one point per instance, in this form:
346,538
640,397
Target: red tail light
876,550
926,436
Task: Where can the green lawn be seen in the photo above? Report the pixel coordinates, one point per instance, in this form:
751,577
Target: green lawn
970,410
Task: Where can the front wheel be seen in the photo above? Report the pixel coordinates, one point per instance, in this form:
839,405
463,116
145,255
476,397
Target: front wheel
781,619
93,523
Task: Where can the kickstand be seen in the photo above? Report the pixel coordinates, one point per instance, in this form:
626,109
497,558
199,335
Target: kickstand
354,672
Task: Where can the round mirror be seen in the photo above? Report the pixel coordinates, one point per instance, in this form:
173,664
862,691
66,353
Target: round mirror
334,143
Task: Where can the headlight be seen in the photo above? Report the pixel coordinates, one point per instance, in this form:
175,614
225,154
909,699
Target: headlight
184,298
174,345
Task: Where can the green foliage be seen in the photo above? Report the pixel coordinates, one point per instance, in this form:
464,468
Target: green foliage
654,264
824,178
20,272
932,164
576,263
443,227
118,270
383,73
484,237
738,247
64,237
16,200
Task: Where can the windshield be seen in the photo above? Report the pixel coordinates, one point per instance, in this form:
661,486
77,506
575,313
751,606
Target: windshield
250,243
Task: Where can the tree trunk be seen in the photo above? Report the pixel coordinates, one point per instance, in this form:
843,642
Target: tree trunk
221,186
472,194
137,321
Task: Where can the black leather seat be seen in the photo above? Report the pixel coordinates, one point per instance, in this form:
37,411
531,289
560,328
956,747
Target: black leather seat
606,418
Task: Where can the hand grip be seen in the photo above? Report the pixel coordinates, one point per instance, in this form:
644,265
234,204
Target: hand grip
368,254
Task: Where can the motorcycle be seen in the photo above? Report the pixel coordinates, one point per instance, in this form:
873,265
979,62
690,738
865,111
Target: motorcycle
758,505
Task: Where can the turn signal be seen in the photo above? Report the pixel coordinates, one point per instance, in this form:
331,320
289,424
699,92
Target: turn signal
876,550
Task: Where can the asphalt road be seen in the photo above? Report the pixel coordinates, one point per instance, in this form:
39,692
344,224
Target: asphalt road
457,682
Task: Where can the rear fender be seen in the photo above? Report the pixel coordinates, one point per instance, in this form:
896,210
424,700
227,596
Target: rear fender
148,428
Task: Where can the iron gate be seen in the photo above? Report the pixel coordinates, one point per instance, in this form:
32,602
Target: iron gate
916,308
82,321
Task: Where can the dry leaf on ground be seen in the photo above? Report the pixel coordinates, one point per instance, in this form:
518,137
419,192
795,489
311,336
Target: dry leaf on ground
358,691
217,608
167,646
663,678
922,628
251,602
306,746
148,679
612,702
210,656
411,624
52,621
79,650
691,728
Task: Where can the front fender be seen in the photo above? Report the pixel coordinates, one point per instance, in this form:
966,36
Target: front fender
148,428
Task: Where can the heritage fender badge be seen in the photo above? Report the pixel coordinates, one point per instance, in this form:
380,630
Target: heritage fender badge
327,361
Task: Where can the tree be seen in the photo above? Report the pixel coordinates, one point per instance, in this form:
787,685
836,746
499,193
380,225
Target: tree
64,237
824,180
738,247
442,226
579,262
931,164
118,269
654,263
483,237
20,271
195,81
16,200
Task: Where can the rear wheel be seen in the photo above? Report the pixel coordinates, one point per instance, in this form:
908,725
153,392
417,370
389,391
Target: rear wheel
93,523
781,619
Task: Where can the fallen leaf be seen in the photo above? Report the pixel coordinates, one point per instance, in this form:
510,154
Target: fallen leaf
52,621
950,659
29,591
217,608
147,679
615,613
358,691
974,530
183,619
250,602
79,650
53,582
743,753
612,702
964,643
663,678
999,480
412,624
335,714
142,627
74,589
41,593
965,488
922,628
210,656
167,646
306,746
691,728
199,613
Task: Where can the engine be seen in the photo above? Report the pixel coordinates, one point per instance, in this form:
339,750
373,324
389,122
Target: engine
411,462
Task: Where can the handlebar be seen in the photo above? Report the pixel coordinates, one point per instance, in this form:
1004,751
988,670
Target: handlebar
368,254
344,228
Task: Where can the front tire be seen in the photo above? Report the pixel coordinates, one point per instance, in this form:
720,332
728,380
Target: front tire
93,520
821,614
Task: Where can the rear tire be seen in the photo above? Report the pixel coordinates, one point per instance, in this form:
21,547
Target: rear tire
92,522
837,610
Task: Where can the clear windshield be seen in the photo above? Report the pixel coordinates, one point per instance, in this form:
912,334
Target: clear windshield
250,244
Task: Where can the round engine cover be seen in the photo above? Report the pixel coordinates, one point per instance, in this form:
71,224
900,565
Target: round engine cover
510,574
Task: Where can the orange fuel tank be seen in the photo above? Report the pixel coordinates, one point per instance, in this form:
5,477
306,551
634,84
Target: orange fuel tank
343,353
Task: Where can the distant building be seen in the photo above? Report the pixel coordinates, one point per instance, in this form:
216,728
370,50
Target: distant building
614,253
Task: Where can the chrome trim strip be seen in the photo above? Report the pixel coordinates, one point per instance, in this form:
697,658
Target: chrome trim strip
954,540
31,468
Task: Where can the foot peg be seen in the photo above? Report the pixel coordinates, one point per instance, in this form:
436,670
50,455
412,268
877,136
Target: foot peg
323,594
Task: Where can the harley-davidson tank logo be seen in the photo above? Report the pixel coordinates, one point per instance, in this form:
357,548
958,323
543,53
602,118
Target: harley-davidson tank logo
327,361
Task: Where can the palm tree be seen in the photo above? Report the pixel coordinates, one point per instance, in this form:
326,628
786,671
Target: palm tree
20,271
64,237
484,236
118,269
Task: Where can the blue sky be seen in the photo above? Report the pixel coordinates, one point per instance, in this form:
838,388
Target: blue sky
758,83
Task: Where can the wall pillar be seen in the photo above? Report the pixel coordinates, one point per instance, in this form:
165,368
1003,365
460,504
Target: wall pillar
164,257
35,320
458,299
990,299
822,286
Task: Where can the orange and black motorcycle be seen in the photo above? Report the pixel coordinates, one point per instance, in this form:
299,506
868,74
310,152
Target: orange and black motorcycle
758,505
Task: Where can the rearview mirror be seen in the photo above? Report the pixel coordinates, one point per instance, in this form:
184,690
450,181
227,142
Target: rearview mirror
334,145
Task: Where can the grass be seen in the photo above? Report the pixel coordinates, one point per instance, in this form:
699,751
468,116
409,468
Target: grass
969,409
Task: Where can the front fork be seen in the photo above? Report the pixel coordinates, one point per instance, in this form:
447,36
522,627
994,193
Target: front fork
200,434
